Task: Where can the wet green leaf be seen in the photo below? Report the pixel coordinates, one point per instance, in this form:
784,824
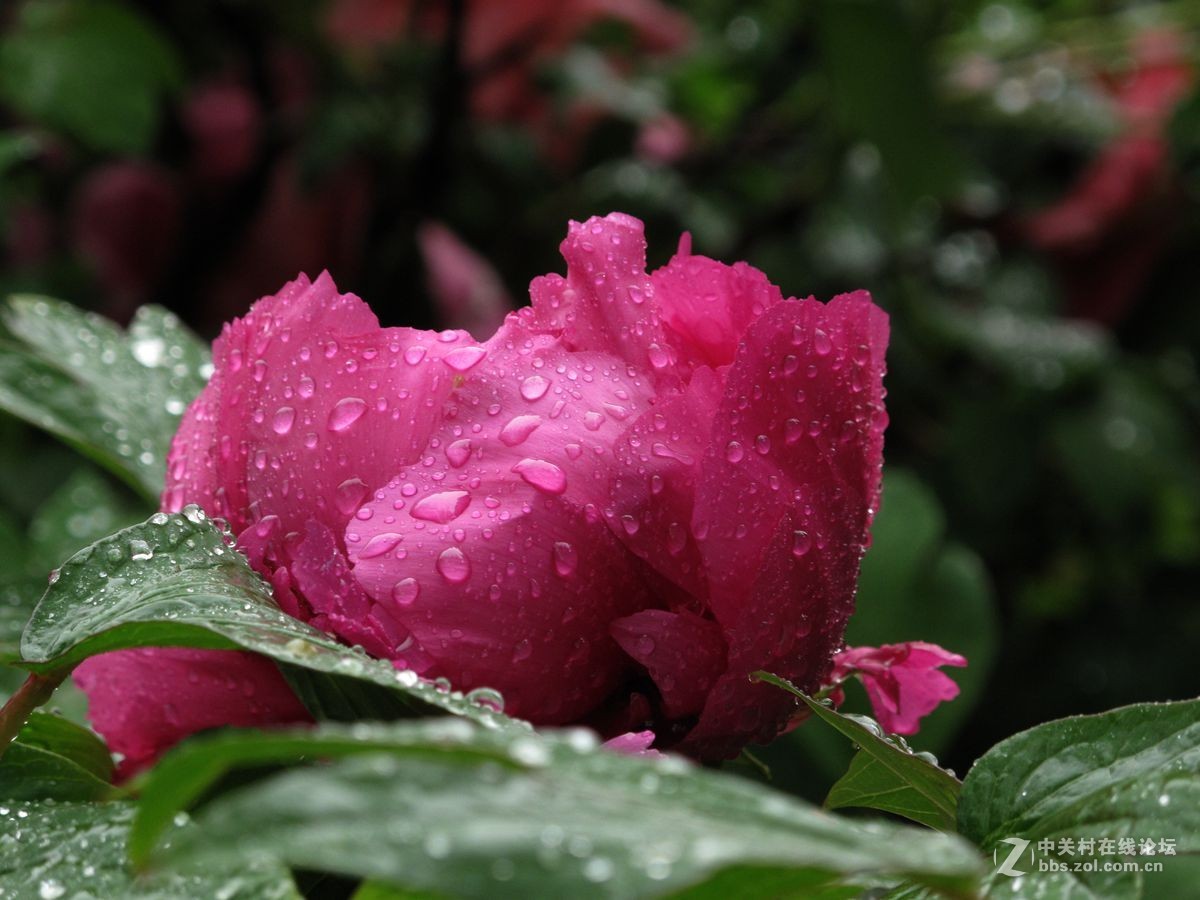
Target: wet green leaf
455,808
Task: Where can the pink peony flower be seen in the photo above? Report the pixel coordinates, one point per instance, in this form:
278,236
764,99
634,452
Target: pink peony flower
639,491
902,680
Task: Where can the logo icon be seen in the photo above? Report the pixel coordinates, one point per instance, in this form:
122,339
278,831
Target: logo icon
1008,867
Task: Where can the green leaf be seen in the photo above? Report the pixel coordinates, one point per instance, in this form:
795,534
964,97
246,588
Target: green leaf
455,808
74,850
116,396
92,68
176,581
53,758
884,774
85,509
1131,772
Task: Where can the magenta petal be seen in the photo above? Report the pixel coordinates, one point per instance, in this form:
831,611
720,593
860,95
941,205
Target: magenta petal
493,550
902,680
707,305
144,701
654,481
322,576
633,743
311,405
683,653
607,301
788,489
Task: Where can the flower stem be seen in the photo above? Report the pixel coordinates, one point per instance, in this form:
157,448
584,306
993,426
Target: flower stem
36,690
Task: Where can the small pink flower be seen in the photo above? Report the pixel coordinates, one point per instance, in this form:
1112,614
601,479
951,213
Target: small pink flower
640,490
902,680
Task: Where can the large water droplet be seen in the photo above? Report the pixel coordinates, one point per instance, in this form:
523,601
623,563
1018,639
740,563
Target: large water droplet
442,507
453,565
518,430
534,387
380,544
821,343
566,559
734,451
405,591
801,543
464,358
346,412
458,452
284,417
543,475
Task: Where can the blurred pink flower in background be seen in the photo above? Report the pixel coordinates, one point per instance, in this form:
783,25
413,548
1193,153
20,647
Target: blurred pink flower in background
505,45
1107,232
125,223
466,290
223,121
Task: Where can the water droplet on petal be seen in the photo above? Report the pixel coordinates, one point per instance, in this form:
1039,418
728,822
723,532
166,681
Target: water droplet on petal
801,543
522,651
414,354
453,565
442,507
734,452
465,358
519,429
380,544
821,343
405,591
284,417
346,412
349,495
543,475
458,452
534,387
566,559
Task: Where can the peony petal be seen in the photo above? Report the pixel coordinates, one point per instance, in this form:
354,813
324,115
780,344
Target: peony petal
322,576
633,743
508,570
683,653
902,680
788,489
311,406
654,482
707,305
144,701
607,301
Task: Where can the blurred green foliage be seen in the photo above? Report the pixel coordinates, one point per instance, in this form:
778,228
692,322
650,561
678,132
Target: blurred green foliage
1042,503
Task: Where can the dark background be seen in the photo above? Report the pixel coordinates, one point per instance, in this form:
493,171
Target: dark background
1018,184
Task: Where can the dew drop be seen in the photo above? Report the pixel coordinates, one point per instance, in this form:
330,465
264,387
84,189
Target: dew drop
518,430
453,565
380,544
405,591
534,387
442,507
734,452
821,343
801,543
543,475
566,559
346,412
465,358
282,422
